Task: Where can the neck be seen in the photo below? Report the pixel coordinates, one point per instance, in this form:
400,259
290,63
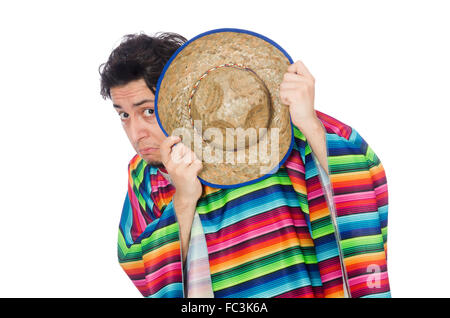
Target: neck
163,169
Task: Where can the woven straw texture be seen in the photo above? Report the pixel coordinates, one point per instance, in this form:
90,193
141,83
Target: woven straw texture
227,97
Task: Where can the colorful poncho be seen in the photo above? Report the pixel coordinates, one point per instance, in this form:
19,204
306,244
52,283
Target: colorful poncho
280,237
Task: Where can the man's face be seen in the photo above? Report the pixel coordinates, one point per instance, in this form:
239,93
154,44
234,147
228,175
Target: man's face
135,104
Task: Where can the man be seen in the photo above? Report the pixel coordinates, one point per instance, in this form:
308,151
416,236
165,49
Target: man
156,225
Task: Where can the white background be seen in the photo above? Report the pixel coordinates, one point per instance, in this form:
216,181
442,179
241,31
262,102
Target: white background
382,67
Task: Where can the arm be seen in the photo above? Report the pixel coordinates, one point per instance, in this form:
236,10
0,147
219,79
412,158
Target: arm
379,181
297,91
183,167
185,210
314,132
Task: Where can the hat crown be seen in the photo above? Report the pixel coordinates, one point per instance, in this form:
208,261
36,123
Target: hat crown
231,97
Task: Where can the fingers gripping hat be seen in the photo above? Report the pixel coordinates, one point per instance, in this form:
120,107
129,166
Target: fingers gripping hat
220,93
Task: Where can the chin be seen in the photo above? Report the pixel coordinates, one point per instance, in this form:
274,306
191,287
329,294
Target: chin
154,163
151,160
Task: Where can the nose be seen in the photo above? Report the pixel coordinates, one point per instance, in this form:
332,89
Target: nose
138,129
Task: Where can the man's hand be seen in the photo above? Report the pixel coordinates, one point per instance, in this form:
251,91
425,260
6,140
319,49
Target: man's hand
297,90
183,167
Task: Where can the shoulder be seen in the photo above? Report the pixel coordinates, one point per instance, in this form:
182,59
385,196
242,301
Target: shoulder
135,161
136,169
334,126
342,139
340,133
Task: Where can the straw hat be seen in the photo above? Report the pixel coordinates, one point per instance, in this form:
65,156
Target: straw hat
220,93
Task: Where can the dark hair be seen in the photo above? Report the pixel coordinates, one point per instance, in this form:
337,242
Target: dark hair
138,56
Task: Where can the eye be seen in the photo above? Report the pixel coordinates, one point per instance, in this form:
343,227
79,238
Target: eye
123,116
149,112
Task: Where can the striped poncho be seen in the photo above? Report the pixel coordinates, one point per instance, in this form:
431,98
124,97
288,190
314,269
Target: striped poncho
280,237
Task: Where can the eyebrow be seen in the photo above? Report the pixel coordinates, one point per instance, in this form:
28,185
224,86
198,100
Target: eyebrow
137,104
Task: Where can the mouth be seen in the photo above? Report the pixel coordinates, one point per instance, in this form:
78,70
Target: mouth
148,151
